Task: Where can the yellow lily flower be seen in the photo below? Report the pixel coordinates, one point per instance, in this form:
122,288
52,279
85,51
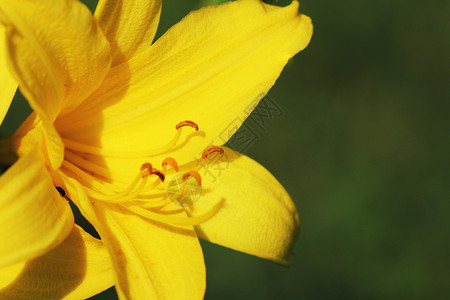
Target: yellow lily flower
111,121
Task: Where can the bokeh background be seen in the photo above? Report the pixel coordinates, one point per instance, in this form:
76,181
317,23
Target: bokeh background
361,142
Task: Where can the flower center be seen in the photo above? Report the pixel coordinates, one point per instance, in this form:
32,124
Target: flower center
149,192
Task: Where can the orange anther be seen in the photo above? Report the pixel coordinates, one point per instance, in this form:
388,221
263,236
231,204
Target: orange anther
146,169
194,174
158,173
211,149
171,162
187,123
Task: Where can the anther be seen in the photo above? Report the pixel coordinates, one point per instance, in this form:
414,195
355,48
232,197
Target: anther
146,170
158,173
211,149
187,123
194,174
171,162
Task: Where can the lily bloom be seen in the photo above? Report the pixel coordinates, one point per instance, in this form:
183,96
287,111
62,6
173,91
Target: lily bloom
132,132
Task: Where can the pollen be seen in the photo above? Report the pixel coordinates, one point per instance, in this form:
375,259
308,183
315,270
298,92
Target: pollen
194,174
187,123
211,149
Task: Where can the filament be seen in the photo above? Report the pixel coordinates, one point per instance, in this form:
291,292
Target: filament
84,148
187,221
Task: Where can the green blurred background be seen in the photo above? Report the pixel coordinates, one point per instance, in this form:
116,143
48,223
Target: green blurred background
362,145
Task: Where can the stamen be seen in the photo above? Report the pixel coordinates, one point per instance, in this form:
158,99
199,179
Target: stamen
151,196
84,148
137,196
187,123
194,174
85,177
158,173
146,170
133,190
145,203
85,164
167,219
171,162
211,149
152,186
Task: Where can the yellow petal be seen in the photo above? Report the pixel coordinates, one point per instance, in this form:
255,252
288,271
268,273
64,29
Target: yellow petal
210,68
129,26
58,55
56,50
39,131
152,260
33,216
78,268
9,85
258,216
